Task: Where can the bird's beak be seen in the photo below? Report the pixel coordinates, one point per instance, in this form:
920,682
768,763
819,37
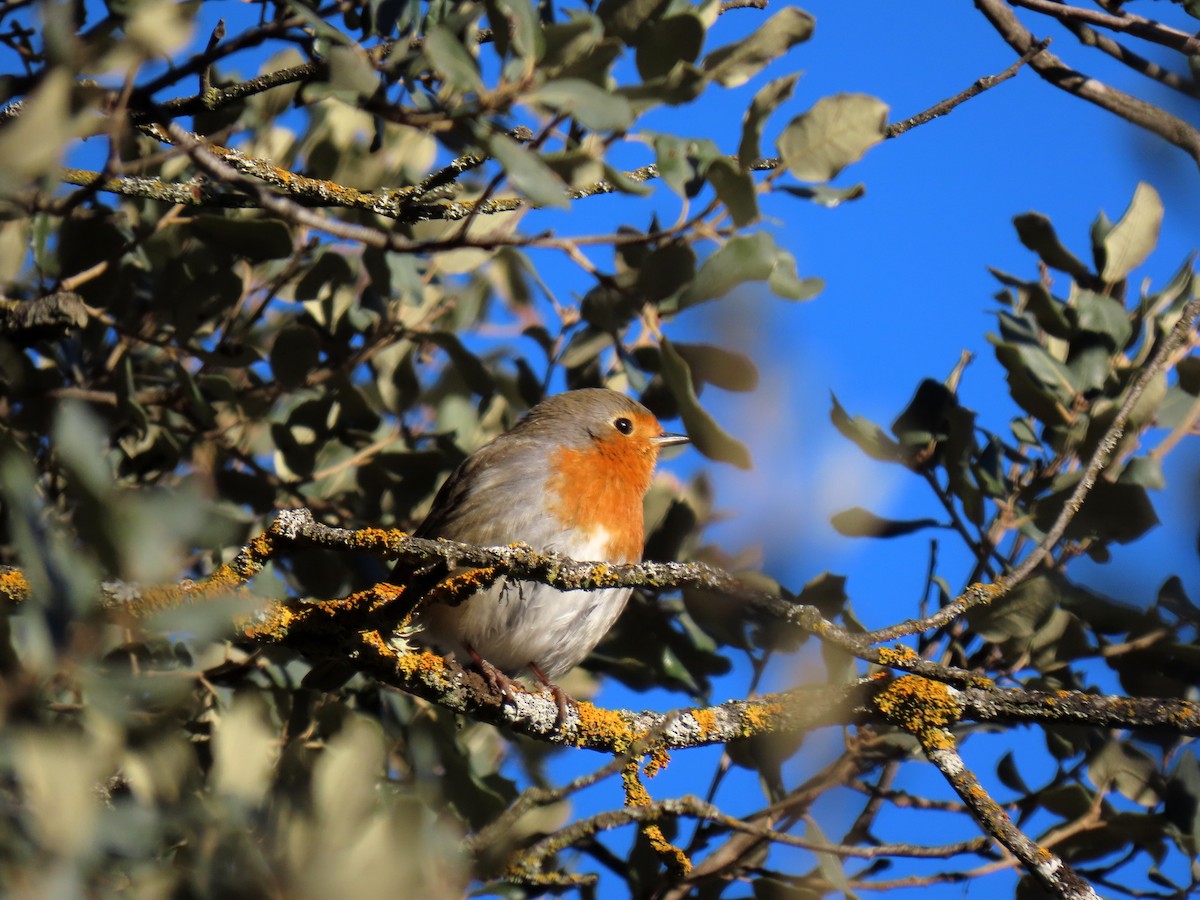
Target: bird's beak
669,440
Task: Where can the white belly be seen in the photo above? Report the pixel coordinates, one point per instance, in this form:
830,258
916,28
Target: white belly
513,624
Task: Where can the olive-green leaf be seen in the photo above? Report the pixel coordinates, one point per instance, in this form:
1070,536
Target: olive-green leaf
765,102
526,31
837,131
718,366
735,188
528,173
869,437
668,41
859,522
295,353
1128,769
707,436
1130,241
824,195
1037,233
254,239
750,257
351,72
737,63
666,271
625,17
1103,316
473,371
591,106
451,60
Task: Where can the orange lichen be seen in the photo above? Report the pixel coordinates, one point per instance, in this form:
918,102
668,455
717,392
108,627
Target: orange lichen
761,717
458,587
659,760
375,538
924,708
676,861
14,586
897,655
706,719
599,726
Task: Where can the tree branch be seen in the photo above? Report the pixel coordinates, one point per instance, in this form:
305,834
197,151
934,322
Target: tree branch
927,710
1138,26
1132,109
978,87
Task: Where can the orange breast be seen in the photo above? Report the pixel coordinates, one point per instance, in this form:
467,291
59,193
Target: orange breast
601,487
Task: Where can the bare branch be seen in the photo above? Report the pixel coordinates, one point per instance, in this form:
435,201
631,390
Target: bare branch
1145,115
978,87
1138,26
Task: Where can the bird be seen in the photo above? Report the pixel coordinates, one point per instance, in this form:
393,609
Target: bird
570,478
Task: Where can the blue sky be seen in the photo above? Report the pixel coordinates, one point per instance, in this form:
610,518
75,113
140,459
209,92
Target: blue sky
907,289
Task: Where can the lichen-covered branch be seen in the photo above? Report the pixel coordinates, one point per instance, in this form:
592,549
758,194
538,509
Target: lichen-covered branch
927,710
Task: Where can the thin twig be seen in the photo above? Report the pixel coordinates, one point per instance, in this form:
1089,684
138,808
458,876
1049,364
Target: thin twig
978,87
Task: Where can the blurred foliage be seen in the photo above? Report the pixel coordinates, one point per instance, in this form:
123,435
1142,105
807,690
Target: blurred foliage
178,362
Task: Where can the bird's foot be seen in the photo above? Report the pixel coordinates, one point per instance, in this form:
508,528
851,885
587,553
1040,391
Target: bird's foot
499,682
560,696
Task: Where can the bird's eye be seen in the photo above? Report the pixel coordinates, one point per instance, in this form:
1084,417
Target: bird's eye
623,425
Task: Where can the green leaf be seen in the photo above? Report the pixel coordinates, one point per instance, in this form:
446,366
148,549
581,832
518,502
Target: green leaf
1040,384
528,173
591,106
665,42
254,239
351,73
1128,769
1103,316
735,189
707,436
1037,233
723,368
295,353
824,195
736,63
79,440
765,102
750,257
830,864
1019,615
450,59
1144,471
524,28
683,84
869,437
859,522
671,158
1130,241
474,373
1010,777
666,271
1182,796
1111,512
837,131
625,17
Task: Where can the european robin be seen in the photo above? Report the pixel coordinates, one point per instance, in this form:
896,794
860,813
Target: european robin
569,477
